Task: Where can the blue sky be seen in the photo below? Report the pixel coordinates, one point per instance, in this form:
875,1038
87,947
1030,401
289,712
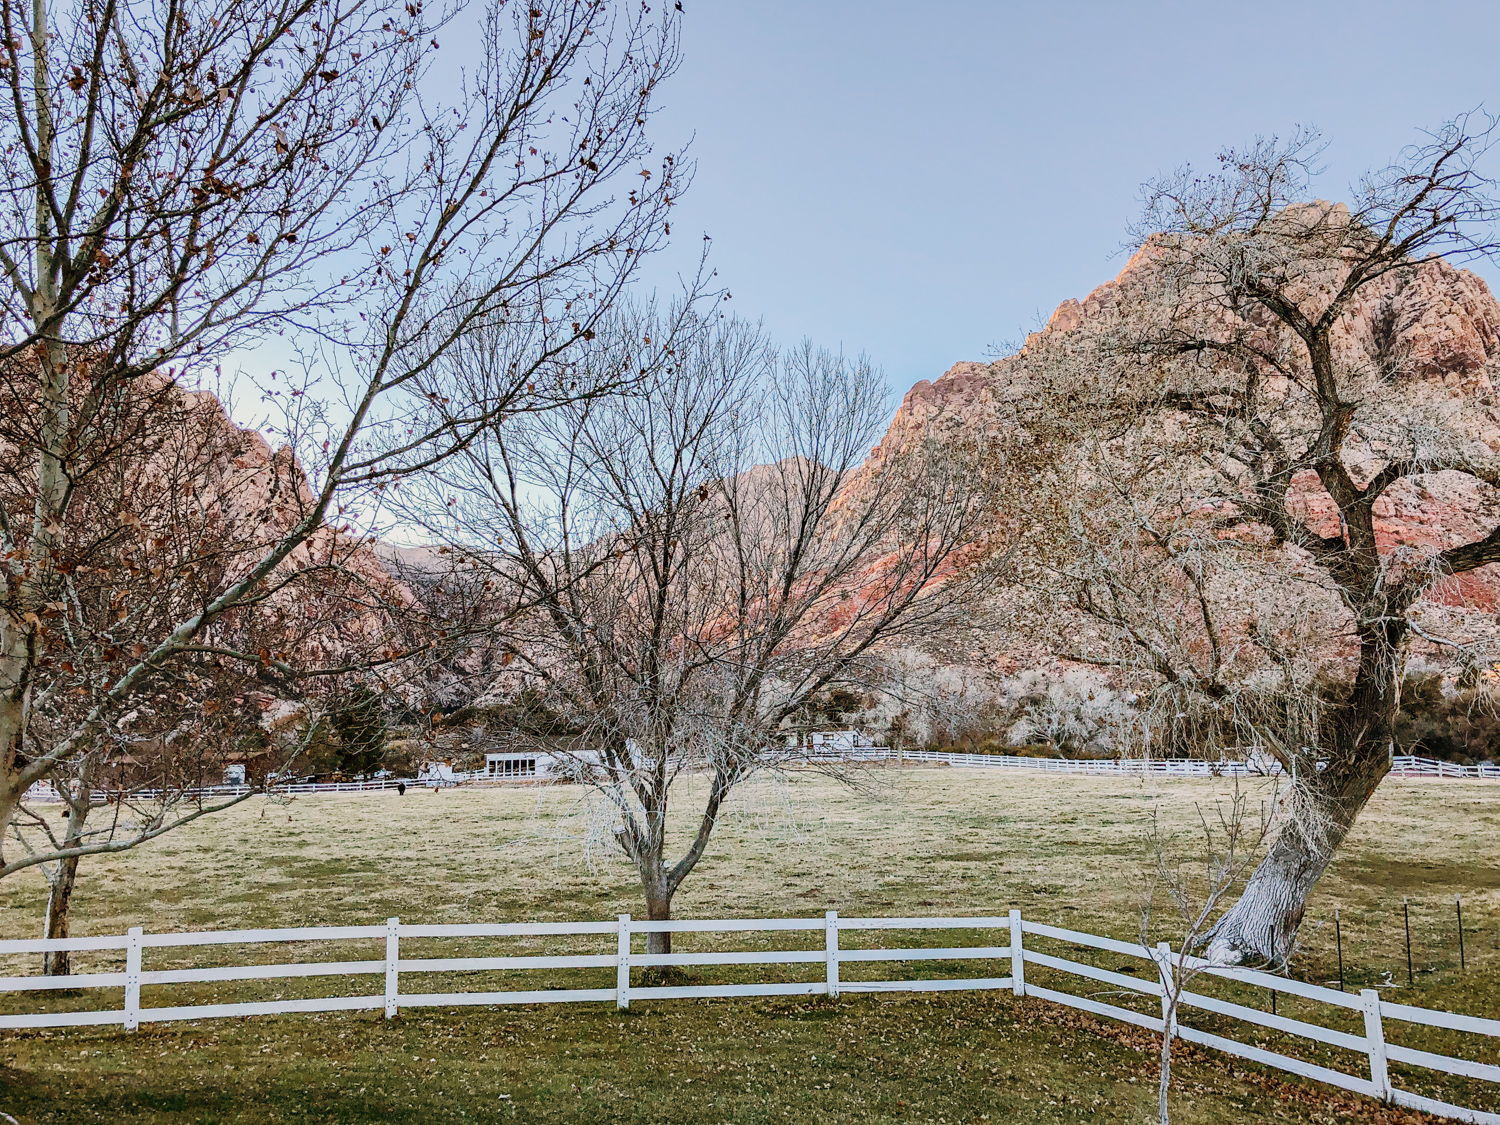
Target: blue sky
922,181
925,182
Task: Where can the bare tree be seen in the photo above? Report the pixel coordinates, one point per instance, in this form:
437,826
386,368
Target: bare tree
1194,889
179,181
703,561
1225,430
160,511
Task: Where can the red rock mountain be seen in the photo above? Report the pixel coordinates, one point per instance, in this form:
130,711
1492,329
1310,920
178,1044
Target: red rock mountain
1444,321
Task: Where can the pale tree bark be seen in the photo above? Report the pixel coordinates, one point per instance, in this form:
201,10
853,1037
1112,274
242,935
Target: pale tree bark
1184,419
1264,920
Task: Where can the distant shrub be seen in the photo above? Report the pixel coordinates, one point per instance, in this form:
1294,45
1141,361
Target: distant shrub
1453,724
361,732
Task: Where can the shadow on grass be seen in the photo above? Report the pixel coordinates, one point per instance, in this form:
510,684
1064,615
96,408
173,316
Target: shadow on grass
861,1059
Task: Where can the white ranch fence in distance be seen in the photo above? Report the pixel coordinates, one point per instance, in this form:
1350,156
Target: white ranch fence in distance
1003,966
1403,766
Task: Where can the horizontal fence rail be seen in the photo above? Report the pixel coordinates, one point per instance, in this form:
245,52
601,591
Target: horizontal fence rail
396,981
1403,766
45,793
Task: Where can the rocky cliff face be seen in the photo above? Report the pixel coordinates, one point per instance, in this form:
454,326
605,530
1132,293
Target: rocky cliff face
261,494
1445,320
1442,323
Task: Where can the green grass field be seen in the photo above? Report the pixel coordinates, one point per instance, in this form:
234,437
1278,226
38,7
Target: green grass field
1066,850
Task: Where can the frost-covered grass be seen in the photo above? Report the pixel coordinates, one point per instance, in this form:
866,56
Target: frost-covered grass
1067,850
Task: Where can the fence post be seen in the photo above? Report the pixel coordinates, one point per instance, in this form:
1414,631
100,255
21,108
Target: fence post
1458,905
392,966
1406,920
831,946
132,978
1375,1040
1017,956
1168,978
622,966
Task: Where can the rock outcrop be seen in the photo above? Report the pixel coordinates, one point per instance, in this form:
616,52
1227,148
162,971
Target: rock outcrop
1441,322
1444,325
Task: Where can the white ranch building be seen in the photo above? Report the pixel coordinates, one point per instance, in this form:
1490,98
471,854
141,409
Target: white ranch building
518,765
831,743
540,765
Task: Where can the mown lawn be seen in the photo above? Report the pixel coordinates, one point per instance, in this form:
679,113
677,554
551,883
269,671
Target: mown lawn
947,1059
1067,850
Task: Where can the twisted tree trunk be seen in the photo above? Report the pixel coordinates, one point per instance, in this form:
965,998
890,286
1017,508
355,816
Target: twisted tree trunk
1262,925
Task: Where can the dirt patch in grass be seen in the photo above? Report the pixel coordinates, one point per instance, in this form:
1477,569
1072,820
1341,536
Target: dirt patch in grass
1428,878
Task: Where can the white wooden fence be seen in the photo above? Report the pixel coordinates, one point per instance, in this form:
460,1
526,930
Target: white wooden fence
1011,958
1402,765
45,793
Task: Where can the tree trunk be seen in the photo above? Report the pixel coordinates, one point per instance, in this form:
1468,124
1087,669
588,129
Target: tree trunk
61,878
21,644
659,909
1262,926
58,963
1163,1114
15,698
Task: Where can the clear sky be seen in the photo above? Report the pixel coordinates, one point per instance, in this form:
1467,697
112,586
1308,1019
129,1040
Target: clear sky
922,181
